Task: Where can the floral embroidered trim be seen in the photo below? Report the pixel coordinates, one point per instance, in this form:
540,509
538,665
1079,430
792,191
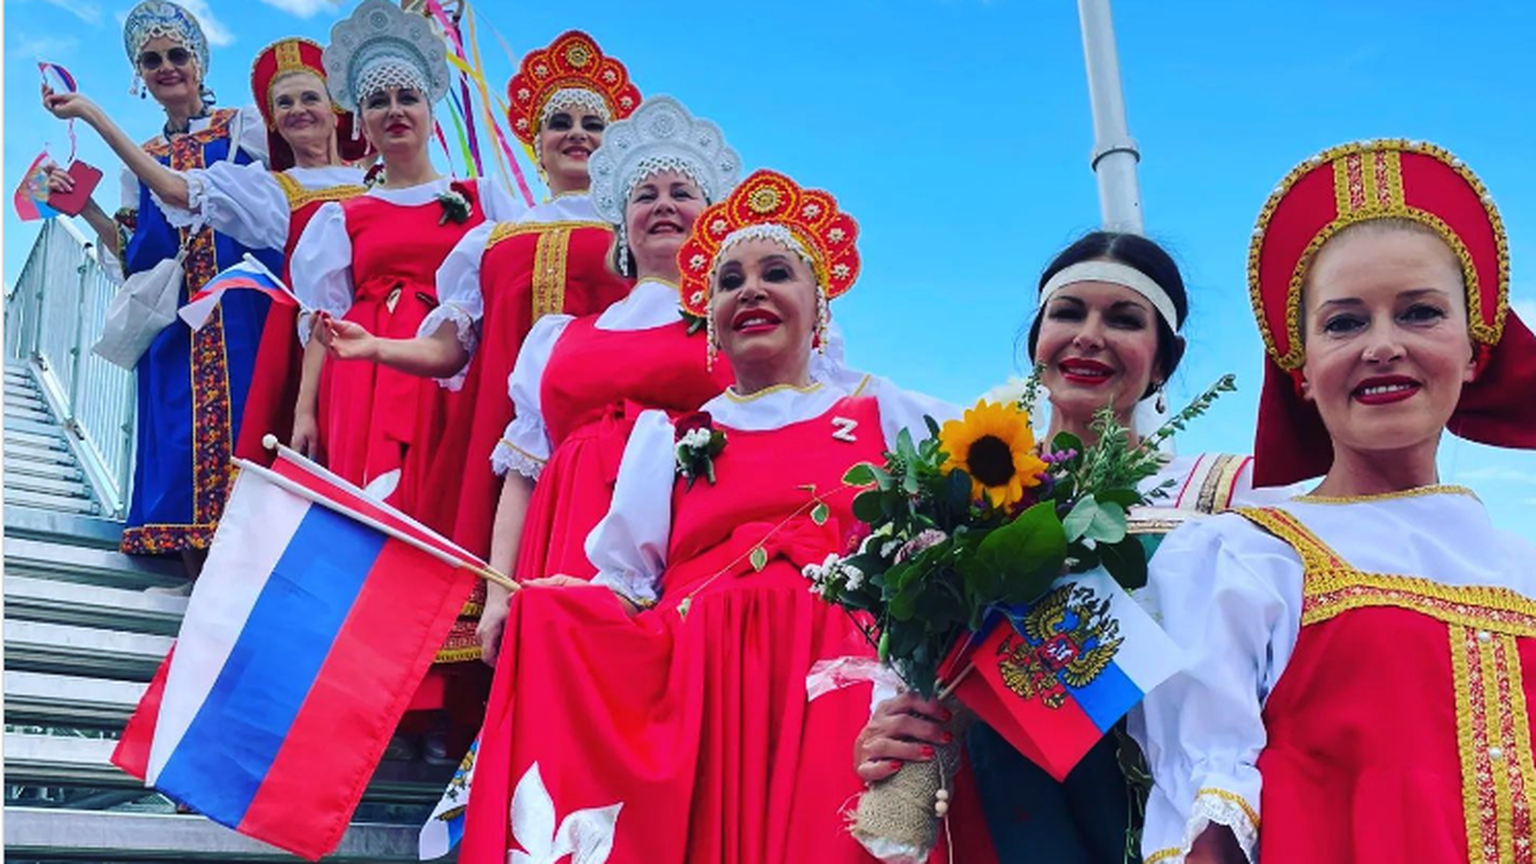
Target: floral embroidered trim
507,230
1417,492
462,645
218,127
731,394
549,269
161,539
299,197
1493,737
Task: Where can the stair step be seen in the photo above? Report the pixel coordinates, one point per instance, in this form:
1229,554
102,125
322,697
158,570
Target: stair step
19,375
110,835
54,469
23,498
47,559
27,451
56,760
37,698
53,602
51,438
62,528
37,415
60,487
34,646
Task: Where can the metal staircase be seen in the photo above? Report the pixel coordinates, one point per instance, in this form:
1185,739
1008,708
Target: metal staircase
82,638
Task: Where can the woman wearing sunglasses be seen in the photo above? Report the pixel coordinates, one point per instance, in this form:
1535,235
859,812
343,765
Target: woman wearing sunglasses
192,386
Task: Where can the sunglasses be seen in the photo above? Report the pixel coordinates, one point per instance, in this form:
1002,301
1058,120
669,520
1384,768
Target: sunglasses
151,60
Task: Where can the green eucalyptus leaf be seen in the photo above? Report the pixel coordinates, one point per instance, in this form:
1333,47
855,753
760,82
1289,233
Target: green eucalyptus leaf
862,474
1092,519
820,512
1067,441
1126,561
868,506
759,558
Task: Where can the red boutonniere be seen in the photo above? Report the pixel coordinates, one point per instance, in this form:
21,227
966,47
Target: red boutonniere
457,203
698,442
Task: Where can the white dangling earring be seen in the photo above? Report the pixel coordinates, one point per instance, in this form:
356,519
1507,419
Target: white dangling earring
823,318
623,251
1162,398
712,347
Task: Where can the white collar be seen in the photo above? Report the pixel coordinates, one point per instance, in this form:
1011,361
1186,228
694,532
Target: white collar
773,408
651,303
411,196
326,176
575,207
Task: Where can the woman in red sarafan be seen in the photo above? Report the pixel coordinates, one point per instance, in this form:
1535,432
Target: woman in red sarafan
660,713
372,260
1361,656
504,276
578,382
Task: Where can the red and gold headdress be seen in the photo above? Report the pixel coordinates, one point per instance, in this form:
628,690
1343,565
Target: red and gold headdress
574,68
1358,183
771,205
279,59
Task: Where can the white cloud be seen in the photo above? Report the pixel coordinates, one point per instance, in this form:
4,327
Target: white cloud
86,11
28,47
302,8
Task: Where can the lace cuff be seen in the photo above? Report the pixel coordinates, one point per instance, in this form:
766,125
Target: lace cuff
510,457
464,328
1216,807
197,196
638,588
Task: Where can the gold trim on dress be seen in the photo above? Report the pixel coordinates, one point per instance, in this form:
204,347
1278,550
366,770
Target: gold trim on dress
1163,855
731,394
504,230
521,452
1232,798
1416,492
550,256
299,197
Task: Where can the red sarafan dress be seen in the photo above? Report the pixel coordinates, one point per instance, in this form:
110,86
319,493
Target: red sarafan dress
373,260
1361,683
507,276
685,734
576,389
279,359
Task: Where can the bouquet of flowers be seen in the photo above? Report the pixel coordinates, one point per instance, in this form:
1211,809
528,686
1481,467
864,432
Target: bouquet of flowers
965,529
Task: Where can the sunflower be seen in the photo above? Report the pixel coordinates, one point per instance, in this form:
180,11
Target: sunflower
994,444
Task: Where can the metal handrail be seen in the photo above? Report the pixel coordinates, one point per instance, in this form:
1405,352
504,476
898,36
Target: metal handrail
53,315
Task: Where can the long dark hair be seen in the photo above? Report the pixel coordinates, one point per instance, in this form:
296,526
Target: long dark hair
1148,258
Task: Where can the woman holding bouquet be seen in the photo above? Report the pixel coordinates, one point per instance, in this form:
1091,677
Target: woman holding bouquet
1382,601
1107,333
685,661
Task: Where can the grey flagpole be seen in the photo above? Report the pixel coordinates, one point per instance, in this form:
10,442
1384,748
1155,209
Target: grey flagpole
1114,151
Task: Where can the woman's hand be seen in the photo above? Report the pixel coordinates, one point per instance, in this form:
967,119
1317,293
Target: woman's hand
69,106
348,340
903,729
306,435
492,624
59,180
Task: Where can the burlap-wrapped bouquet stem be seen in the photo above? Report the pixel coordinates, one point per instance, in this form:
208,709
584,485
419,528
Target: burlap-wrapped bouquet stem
896,818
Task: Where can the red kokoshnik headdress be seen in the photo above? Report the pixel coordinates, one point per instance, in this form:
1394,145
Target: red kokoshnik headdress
771,204
297,55
572,67
1358,183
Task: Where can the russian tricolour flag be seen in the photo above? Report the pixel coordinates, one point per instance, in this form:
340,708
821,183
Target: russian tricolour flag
248,274
1054,676
314,622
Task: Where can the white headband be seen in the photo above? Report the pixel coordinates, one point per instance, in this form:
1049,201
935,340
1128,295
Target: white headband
1114,273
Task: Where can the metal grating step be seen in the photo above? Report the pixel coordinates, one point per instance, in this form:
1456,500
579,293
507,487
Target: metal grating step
32,452
55,486
54,469
56,760
24,498
24,523
49,559
40,699
53,602
50,439
33,646
103,836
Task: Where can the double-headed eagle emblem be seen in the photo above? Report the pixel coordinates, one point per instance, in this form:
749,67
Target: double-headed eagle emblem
1068,639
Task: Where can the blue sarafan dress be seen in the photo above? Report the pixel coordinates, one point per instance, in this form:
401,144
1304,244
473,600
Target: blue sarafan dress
191,386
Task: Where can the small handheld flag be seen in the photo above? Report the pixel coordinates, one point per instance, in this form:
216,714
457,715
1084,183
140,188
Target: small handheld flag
31,198
248,274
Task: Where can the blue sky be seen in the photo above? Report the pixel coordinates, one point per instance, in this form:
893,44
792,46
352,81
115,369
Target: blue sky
957,132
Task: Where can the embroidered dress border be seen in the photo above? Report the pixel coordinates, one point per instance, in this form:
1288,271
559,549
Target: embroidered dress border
1493,738
549,270
299,197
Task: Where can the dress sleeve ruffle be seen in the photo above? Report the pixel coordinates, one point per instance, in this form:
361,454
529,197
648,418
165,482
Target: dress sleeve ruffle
252,134
1230,596
629,545
243,201
321,267
905,409
525,446
460,302
498,204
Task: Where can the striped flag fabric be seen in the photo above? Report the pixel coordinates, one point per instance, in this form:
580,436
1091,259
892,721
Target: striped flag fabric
313,623
1054,676
247,274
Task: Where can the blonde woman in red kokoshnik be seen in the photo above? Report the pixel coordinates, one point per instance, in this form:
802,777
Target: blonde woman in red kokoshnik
661,710
1358,656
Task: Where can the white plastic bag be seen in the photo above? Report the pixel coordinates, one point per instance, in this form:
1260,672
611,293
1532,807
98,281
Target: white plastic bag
143,307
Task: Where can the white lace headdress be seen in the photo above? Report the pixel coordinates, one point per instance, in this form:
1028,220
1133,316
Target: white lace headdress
660,136
380,46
